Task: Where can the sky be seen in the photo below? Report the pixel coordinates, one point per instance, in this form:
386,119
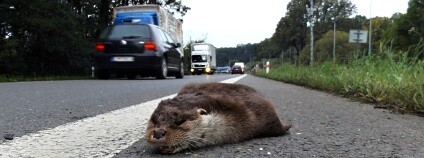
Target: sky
232,24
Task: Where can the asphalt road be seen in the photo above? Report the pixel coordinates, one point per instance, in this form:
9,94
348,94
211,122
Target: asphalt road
324,125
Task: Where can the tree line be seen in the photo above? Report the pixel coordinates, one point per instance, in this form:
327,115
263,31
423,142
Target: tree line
291,40
55,37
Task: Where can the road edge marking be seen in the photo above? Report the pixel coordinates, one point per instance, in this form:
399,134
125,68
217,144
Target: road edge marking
105,134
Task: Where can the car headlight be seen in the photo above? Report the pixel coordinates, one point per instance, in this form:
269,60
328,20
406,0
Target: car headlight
208,69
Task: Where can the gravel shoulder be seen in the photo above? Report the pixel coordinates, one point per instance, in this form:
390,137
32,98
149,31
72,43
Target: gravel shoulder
324,125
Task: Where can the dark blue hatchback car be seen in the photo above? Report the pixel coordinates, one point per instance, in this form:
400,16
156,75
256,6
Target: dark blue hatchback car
137,49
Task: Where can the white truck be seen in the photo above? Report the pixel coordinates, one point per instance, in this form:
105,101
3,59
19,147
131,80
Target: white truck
203,58
150,14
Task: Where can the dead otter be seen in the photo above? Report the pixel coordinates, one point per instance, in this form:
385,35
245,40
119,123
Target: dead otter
212,113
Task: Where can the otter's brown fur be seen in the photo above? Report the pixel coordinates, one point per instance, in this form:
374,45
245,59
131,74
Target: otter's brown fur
212,113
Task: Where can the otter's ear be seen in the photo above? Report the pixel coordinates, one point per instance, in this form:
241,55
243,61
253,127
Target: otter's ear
202,111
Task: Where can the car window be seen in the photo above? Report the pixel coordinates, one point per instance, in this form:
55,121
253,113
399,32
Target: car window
161,35
126,31
198,58
170,40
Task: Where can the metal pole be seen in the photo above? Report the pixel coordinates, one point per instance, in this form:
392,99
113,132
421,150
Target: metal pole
312,32
370,31
334,42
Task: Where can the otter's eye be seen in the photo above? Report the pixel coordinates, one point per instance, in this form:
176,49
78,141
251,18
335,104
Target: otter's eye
179,122
154,120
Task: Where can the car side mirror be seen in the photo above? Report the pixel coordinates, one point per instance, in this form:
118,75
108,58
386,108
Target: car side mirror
177,45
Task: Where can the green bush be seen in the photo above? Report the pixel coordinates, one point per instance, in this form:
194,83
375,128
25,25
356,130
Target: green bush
323,49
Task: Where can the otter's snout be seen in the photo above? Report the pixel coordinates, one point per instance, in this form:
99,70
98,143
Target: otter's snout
159,133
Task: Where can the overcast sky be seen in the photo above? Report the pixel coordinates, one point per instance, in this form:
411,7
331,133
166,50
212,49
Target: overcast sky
251,21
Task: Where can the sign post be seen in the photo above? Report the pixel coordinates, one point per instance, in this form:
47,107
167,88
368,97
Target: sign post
267,67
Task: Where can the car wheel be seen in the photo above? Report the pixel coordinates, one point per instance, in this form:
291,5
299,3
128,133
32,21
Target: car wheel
163,70
180,73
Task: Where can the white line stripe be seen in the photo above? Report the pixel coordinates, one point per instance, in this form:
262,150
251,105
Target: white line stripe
233,80
104,135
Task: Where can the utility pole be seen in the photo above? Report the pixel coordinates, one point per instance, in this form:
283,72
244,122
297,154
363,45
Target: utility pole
312,21
334,42
370,32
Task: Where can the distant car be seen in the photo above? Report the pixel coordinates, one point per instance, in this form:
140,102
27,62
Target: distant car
241,64
137,49
237,69
225,69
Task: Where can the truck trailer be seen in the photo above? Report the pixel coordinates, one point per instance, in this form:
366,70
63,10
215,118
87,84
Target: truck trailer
150,14
203,58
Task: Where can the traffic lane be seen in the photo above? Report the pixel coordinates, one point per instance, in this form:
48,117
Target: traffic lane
323,125
27,107
331,126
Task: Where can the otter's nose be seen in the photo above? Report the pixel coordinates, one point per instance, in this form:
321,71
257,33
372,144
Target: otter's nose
159,133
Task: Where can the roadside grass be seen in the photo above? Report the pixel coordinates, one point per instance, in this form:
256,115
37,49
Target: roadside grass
21,78
392,82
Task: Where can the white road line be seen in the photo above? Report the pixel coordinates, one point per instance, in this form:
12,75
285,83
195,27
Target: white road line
233,80
103,135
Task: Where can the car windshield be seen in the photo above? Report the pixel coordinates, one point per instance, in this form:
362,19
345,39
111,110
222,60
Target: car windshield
126,32
199,58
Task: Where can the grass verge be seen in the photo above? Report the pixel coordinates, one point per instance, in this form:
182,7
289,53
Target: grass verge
397,84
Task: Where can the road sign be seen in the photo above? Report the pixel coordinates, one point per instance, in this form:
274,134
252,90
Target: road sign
358,36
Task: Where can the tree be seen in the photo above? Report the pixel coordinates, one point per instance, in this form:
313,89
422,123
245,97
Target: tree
329,10
379,25
406,31
415,28
416,20
357,22
292,30
36,38
241,53
324,48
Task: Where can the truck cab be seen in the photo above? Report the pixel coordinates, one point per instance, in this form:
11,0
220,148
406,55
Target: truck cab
203,59
200,62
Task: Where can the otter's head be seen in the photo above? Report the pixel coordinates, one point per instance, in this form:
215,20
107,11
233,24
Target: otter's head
170,124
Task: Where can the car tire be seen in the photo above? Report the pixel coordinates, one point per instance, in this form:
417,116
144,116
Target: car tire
163,70
180,73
